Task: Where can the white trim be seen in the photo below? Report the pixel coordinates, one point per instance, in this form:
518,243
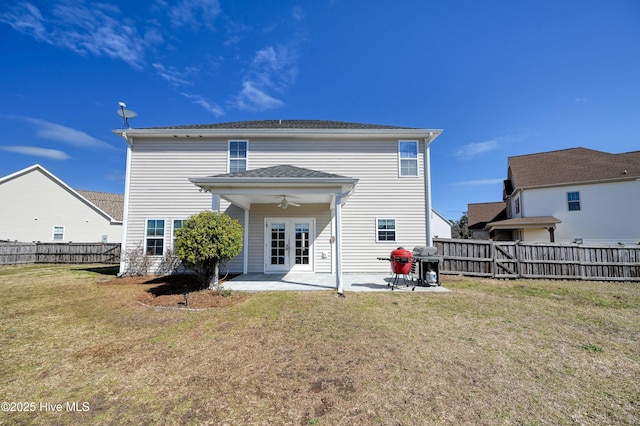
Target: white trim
125,213
395,230
53,234
146,237
246,158
290,266
416,159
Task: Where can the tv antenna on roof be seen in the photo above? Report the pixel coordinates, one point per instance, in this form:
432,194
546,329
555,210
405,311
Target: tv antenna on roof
126,114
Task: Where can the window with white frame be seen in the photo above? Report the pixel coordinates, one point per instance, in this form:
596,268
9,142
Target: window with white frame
573,201
238,156
154,245
58,233
385,229
177,224
408,158
517,205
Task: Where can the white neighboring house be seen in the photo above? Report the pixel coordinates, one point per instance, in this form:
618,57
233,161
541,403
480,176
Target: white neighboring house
317,196
37,206
572,195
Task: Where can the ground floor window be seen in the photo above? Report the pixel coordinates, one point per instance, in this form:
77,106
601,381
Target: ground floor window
58,233
177,224
386,229
154,237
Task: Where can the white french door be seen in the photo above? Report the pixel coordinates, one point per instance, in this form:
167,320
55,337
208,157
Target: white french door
288,244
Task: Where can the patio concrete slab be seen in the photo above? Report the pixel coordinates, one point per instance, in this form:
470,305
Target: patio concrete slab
300,281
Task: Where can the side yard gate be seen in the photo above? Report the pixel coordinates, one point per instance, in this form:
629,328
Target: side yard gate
521,259
12,253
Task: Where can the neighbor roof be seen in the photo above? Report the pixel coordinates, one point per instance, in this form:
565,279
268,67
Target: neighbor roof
284,124
479,214
572,166
110,203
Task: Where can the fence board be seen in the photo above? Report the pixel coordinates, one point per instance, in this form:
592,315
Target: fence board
12,253
500,259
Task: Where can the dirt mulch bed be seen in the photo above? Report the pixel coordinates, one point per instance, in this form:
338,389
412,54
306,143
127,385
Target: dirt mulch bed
169,291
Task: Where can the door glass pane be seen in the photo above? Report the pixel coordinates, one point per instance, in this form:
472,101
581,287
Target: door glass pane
278,244
302,244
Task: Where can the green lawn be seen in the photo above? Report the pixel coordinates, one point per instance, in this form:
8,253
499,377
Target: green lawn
490,352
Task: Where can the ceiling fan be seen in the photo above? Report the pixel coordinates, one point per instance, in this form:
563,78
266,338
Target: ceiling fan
286,203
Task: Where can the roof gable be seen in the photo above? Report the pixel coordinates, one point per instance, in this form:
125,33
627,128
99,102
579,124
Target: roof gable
479,214
109,213
572,166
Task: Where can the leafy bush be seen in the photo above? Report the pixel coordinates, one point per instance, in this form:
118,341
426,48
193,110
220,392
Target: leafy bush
205,241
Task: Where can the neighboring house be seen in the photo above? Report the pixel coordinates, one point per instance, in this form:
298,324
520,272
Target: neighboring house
321,196
572,195
37,206
481,214
440,225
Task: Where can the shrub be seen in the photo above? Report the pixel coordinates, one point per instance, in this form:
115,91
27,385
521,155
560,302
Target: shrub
205,241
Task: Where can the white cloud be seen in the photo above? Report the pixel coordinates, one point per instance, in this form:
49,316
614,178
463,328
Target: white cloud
58,132
252,98
273,69
474,149
99,29
479,182
195,13
53,154
207,104
175,77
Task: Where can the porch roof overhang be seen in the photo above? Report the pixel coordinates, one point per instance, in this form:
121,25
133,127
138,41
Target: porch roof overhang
271,184
534,222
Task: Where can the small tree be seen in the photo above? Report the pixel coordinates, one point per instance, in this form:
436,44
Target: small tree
205,241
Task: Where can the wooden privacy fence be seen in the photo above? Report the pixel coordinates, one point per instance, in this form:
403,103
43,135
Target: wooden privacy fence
12,253
511,259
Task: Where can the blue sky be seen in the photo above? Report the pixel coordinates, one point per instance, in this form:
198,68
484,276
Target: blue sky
500,77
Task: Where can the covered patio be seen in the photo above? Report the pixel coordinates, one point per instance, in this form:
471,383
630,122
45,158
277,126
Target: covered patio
303,281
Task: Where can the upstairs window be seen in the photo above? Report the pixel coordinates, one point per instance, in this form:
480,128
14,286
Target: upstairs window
573,201
154,245
238,156
386,229
408,158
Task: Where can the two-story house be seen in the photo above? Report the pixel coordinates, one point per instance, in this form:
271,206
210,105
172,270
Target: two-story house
571,195
317,196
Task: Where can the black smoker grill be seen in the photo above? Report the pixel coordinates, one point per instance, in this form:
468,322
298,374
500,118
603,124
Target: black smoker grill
424,263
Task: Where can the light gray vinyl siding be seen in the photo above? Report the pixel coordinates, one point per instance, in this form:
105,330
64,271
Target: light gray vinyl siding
159,188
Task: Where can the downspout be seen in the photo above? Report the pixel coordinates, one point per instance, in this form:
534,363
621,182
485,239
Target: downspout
338,243
245,243
125,213
428,208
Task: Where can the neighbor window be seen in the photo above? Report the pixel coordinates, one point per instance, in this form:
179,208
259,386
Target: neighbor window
408,158
177,224
58,233
573,200
517,205
155,237
238,156
386,229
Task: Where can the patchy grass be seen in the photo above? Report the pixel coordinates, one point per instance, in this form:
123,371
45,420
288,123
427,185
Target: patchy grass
490,352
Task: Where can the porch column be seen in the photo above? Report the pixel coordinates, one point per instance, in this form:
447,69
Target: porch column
245,243
428,208
338,242
215,202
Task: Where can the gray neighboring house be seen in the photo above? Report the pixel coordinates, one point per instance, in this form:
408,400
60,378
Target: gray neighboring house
38,206
311,195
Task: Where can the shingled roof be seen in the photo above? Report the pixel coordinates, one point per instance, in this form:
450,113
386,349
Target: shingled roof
112,204
284,124
281,171
479,214
572,166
